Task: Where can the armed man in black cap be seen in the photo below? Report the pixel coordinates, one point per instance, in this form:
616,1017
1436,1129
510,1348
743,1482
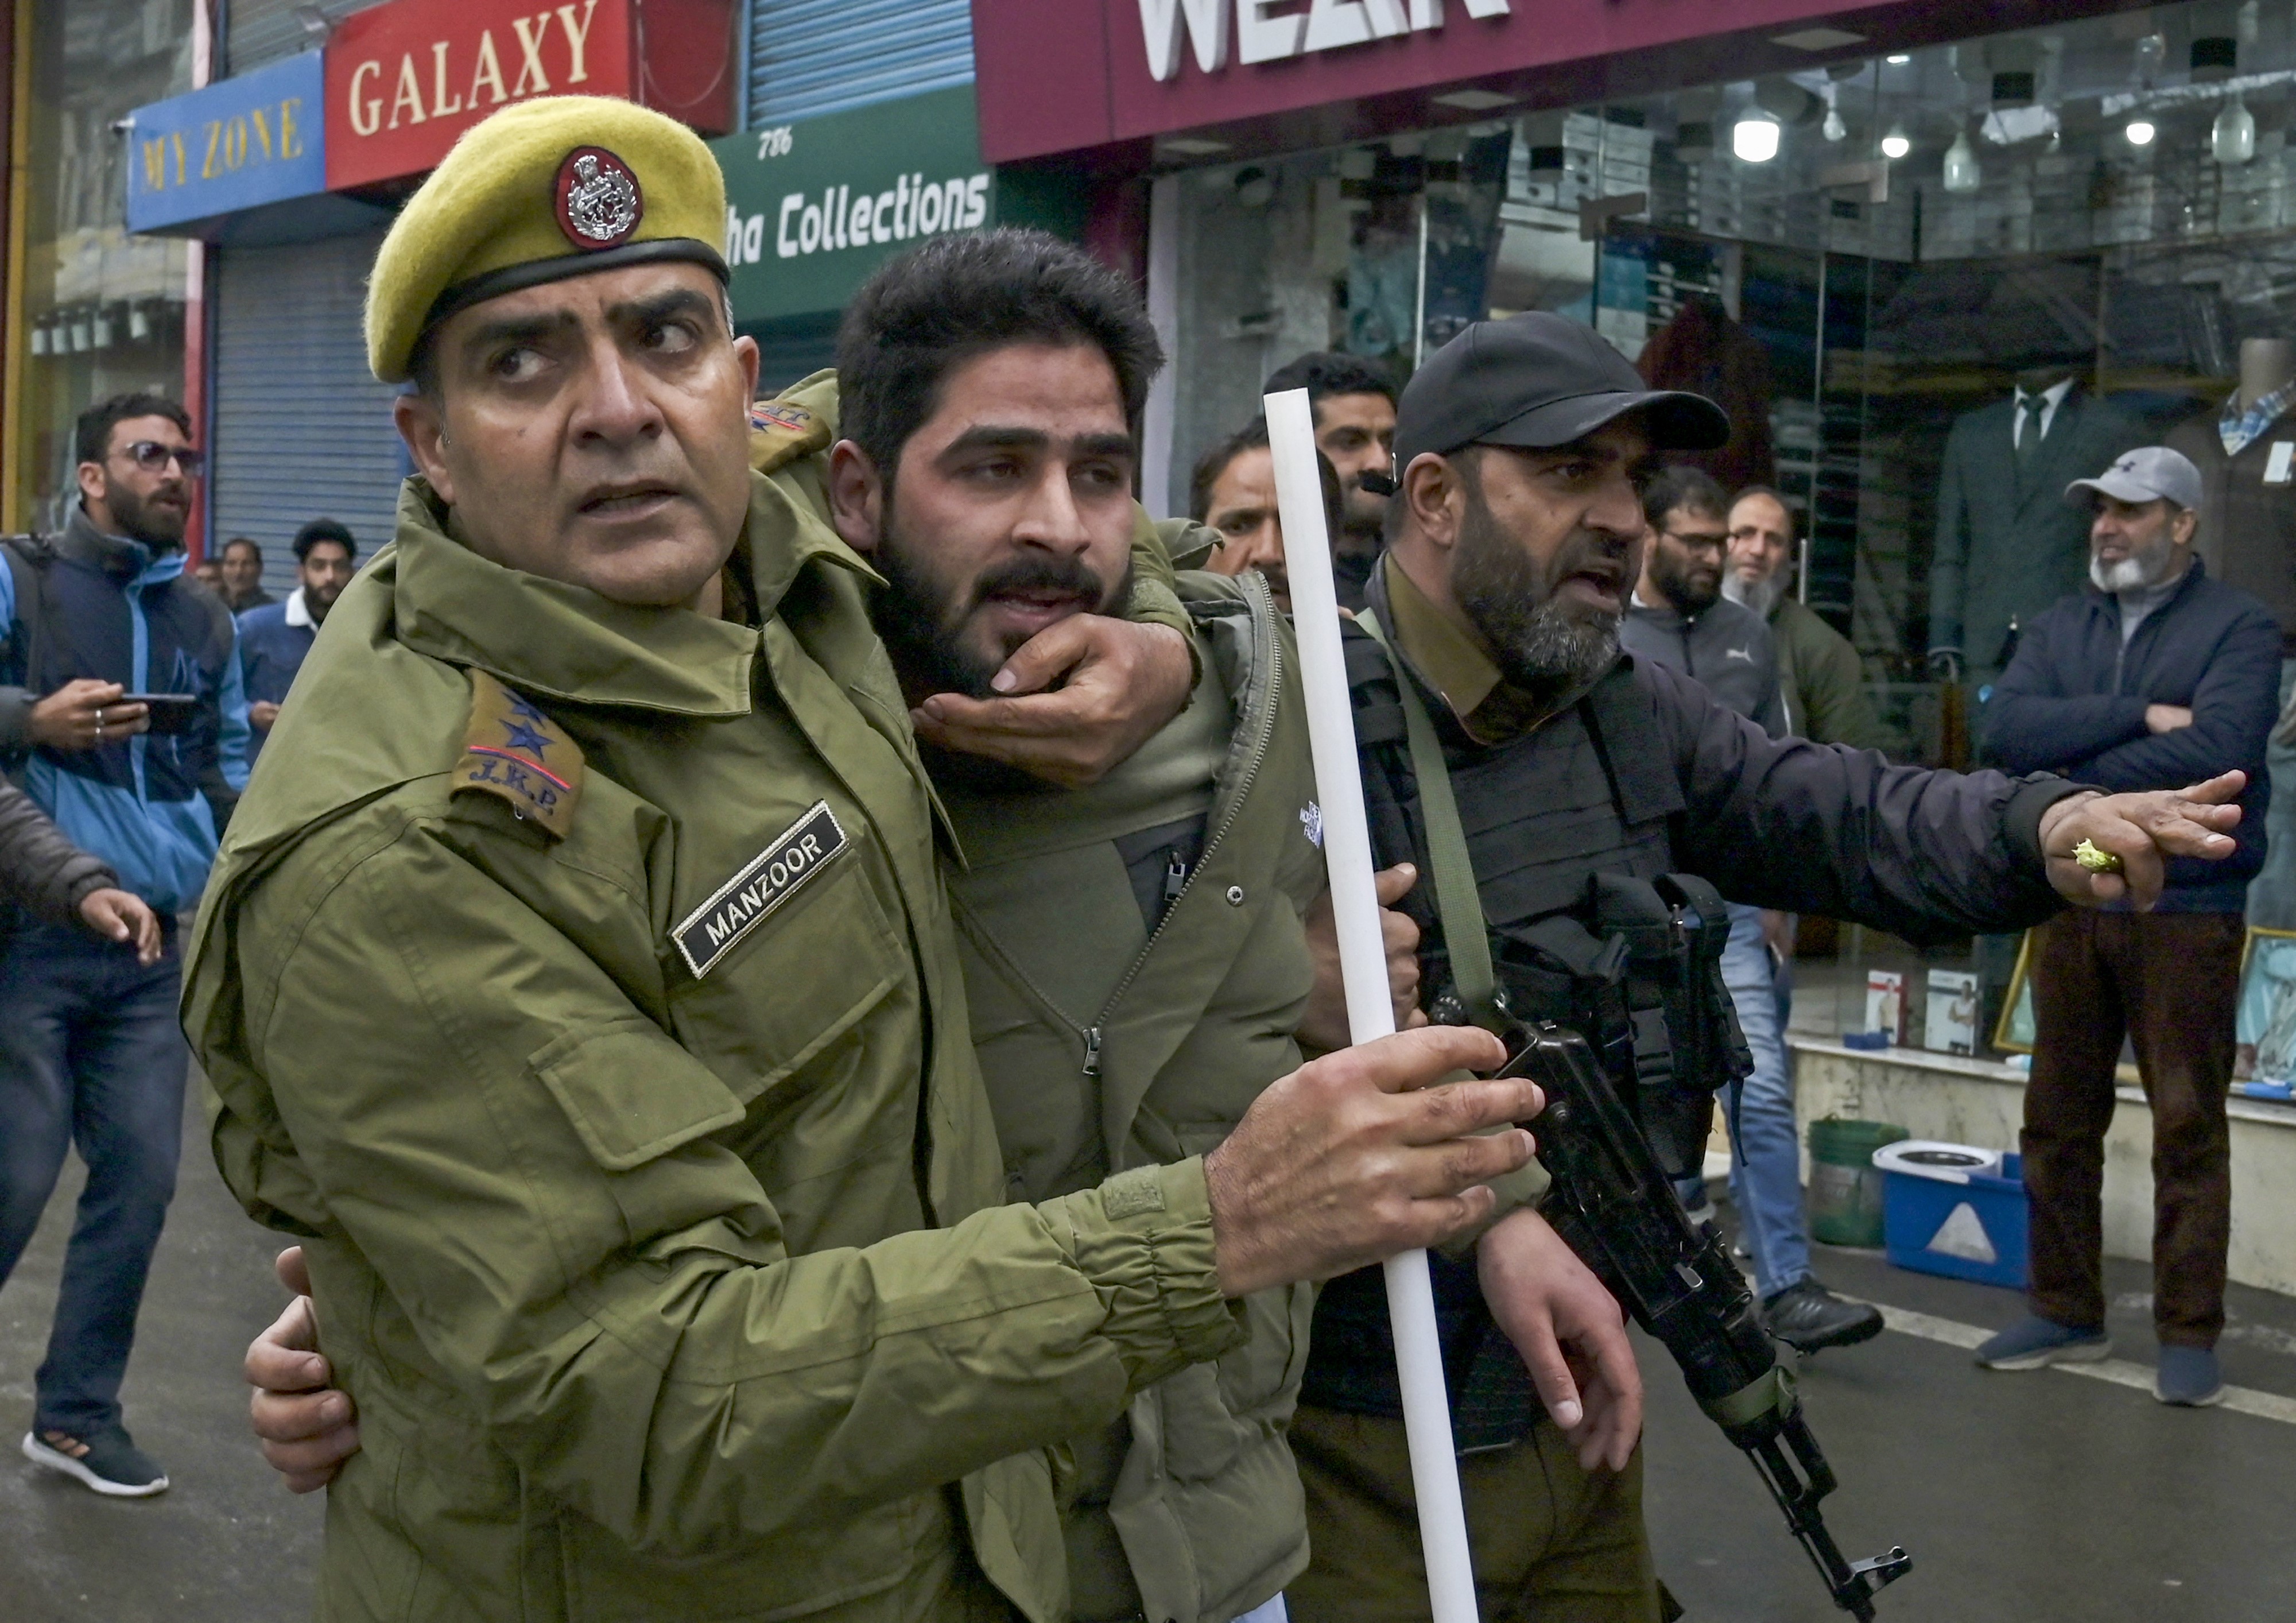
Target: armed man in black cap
1586,795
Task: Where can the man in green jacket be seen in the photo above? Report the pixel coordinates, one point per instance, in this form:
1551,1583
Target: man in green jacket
1824,682
578,996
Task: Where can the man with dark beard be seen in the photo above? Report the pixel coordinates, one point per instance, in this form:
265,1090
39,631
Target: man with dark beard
1578,776
1678,618
91,622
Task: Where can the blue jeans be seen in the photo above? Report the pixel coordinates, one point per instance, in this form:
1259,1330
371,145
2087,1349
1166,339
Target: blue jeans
1764,1158
91,1057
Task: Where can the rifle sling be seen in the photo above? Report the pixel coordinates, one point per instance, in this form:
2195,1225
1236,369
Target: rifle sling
1457,901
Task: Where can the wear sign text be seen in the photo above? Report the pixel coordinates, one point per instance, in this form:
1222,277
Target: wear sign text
1270,30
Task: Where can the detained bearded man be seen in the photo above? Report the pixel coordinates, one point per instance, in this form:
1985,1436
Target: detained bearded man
593,921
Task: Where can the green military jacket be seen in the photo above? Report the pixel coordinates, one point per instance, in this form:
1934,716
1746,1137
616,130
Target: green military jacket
1108,1046
1824,682
662,1293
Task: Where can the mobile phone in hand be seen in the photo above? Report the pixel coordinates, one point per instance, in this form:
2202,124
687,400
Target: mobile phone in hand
170,712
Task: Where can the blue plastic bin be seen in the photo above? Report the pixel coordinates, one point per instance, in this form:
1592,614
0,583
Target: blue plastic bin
1955,1211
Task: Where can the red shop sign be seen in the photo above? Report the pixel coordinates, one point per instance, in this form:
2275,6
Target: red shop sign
1061,76
406,78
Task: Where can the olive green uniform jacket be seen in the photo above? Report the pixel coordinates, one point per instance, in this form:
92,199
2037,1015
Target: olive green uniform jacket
661,1295
1108,1048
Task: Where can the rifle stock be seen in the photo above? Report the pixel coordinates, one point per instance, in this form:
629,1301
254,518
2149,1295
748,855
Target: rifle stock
1614,1206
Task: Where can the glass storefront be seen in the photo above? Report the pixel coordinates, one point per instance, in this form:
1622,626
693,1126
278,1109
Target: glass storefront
102,311
1854,260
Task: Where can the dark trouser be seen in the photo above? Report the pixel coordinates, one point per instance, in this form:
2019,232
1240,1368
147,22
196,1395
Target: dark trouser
1553,1542
2169,980
91,1057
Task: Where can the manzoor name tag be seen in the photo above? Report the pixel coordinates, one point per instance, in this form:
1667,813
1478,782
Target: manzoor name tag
764,882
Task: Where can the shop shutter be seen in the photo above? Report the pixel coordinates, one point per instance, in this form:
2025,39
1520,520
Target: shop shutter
302,431
260,31
816,56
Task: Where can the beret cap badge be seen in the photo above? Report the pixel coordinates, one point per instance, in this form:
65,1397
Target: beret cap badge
599,203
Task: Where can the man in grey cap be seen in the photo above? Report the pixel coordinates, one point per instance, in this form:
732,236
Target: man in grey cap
2156,676
1578,775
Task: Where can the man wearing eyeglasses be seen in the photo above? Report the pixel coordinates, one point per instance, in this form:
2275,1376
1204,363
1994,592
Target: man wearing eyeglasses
121,713
1680,618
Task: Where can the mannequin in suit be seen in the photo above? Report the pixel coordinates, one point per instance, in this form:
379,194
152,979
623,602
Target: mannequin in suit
2007,544
2246,453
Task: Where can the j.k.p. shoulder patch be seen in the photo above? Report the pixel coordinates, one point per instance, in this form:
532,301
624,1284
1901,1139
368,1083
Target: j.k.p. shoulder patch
781,431
764,883
521,756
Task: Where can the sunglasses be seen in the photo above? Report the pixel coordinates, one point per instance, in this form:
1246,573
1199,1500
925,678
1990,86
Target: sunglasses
151,456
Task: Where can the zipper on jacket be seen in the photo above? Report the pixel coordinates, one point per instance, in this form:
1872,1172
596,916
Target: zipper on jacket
1263,607
1258,593
1175,880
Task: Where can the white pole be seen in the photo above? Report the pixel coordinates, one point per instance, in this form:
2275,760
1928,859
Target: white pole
1362,971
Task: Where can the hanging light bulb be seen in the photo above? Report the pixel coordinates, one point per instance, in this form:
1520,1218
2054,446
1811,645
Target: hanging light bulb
1896,144
1754,140
1834,128
1961,171
2140,132
2232,138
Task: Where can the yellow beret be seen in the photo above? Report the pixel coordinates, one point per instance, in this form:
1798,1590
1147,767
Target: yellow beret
555,187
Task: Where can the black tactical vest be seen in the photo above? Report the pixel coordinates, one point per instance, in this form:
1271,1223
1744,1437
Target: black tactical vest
1587,792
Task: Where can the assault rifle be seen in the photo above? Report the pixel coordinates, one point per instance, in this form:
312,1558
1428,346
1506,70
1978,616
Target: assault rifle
1613,1204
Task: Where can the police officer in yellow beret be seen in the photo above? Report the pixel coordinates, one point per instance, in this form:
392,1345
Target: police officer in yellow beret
577,980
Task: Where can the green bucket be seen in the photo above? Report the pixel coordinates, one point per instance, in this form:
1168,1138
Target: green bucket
1845,1187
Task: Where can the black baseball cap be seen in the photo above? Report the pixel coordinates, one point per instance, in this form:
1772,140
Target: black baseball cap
1539,380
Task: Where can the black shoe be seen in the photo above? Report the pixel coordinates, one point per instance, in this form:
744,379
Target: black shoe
105,1461
1807,1316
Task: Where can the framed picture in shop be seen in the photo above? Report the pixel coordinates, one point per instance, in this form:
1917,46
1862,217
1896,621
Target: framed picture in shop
2264,1028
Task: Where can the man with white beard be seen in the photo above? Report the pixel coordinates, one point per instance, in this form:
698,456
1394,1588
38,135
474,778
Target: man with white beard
2157,675
1823,679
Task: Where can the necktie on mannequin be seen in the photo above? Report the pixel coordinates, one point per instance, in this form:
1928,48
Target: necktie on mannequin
2030,408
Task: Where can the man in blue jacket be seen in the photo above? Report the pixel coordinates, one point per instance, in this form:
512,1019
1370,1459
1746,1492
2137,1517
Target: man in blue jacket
275,636
2157,677
96,625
